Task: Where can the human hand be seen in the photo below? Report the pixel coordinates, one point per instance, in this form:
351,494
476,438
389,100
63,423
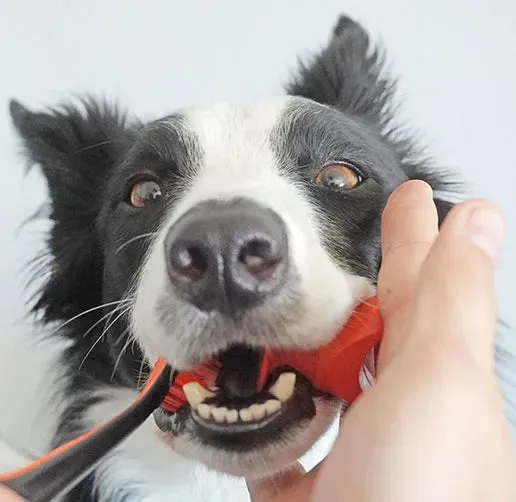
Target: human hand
432,427
7,495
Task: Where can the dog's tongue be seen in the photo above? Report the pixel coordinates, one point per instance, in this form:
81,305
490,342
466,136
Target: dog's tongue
334,368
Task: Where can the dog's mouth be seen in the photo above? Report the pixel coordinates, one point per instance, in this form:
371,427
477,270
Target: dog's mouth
235,413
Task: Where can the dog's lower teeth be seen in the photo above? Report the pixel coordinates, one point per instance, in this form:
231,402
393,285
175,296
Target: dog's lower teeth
257,411
204,411
219,414
283,387
246,415
272,406
232,416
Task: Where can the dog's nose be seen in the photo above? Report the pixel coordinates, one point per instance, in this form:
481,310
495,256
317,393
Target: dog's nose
227,256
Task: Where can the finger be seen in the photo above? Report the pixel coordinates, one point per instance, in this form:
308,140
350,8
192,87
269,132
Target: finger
7,495
456,301
409,228
293,485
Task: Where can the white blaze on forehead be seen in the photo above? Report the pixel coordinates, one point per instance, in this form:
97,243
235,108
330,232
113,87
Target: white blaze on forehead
213,124
235,141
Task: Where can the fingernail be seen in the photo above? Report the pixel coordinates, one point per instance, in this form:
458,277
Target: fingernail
485,227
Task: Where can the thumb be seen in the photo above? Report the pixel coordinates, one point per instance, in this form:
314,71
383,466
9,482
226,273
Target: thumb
7,495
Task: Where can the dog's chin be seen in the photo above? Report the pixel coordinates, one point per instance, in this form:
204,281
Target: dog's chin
259,450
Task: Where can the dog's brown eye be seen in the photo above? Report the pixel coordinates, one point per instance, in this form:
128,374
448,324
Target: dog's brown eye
144,193
339,177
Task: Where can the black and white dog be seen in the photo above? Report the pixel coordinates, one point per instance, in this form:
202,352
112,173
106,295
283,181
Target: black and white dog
215,231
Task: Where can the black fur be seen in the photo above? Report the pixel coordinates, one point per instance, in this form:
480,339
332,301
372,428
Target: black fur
76,150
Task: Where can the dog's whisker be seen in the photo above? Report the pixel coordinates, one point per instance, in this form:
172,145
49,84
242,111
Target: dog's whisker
133,345
141,373
111,314
119,358
107,316
134,239
97,341
122,335
93,309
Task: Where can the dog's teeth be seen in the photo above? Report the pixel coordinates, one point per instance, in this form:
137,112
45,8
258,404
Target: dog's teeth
222,415
283,388
257,411
204,411
246,415
219,414
196,393
272,406
232,416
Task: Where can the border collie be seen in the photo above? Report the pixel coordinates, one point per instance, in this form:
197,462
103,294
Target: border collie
214,230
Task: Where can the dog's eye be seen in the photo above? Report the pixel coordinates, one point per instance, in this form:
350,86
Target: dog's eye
339,176
144,193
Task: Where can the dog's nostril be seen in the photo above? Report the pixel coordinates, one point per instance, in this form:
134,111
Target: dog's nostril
258,258
227,256
189,262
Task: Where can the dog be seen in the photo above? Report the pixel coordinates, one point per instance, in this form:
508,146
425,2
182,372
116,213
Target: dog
215,231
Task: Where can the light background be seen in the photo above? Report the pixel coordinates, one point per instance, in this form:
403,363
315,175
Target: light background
456,60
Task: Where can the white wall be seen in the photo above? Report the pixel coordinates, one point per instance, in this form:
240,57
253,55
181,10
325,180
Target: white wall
456,60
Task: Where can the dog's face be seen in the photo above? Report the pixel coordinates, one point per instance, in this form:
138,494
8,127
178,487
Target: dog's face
225,230
264,233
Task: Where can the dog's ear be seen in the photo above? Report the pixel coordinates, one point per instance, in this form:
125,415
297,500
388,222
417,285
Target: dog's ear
75,148
348,74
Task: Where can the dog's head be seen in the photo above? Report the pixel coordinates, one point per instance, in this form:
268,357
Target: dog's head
217,231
